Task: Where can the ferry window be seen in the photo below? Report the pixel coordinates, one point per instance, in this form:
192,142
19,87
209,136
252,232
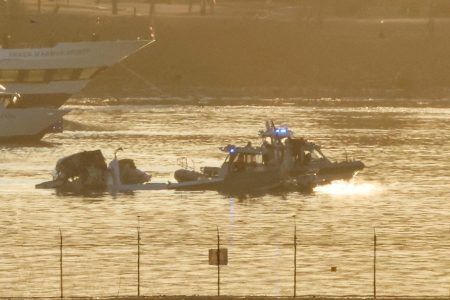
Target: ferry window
62,74
88,73
9,75
34,76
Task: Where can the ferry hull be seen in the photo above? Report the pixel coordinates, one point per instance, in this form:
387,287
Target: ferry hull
23,139
28,125
48,77
44,100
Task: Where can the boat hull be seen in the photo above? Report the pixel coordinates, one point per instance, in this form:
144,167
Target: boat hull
47,77
251,181
28,125
23,139
328,171
235,183
44,100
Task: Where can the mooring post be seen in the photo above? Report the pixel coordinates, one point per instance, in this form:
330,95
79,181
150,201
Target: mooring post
295,257
218,262
374,264
139,258
61,264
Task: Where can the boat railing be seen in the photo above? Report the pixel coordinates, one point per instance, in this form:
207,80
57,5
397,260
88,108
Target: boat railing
183,162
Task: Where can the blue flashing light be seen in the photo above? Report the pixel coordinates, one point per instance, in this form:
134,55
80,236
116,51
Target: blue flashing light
282,131
232,150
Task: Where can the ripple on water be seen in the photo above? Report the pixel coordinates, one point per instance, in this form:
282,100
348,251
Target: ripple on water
403,194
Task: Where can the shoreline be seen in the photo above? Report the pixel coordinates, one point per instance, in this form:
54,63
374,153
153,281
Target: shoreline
239,56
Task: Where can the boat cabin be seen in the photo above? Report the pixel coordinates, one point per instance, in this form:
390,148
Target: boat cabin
279,144
243,158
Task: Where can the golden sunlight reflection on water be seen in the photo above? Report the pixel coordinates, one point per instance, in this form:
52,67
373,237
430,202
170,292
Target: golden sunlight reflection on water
403,194
349,188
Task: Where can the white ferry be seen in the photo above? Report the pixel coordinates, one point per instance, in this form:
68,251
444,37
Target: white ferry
47,77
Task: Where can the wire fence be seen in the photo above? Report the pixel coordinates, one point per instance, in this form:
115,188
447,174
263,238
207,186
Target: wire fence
300,267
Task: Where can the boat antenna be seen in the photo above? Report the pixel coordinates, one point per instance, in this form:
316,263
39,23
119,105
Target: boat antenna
117,150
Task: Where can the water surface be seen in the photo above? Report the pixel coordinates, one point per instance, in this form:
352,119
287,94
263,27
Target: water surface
403,194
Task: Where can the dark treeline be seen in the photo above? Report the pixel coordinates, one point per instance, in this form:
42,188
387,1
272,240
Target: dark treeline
365,8
329,48
345,8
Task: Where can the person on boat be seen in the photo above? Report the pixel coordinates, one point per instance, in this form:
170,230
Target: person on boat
239,165
288,154
296,147
267,153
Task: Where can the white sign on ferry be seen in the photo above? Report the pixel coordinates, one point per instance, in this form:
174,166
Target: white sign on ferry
48,53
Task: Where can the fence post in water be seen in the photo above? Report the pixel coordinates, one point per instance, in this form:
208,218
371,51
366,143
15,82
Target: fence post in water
374,264
295,257
218,262
139,258
61,264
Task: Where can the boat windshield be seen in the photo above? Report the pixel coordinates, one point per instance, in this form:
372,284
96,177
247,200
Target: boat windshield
243,161
253,159
315,155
